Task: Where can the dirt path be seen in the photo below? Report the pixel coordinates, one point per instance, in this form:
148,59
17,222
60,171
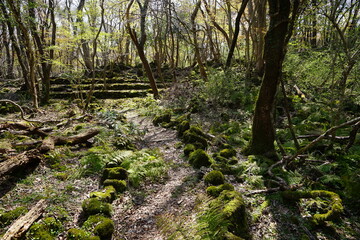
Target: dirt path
135,214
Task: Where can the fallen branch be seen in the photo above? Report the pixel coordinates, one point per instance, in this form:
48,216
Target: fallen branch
20,226
19,160
50,142
24,127
321,137
21,110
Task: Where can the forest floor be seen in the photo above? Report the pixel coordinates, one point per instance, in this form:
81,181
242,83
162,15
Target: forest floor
66,176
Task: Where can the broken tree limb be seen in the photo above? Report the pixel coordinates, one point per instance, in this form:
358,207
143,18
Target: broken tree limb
21,110
321,137
19,160
50,142
24,127
20,226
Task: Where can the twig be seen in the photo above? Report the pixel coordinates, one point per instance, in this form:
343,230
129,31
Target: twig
21,110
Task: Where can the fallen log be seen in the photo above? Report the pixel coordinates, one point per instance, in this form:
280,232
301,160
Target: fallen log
20,226
50,142
20,160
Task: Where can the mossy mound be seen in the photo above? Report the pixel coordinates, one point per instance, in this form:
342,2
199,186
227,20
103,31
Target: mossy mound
228,153
199,158
107,195
7,217
92,206
232,207
163,118
182,127
219,159
189,148
100,226
215,191
335,208
225,168
119,185
47,229
214,177
79,234
195,139
115,173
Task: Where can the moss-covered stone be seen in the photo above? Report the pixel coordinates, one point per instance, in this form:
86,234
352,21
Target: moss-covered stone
119,185
107,195
335,204
197,140
233,209
189,148
47,229
219,159
100,226
79,234
182,127
228,153
199,158
92,206
163,118
230,236
7,217
233,161
214,177
115,173
225,168
215,191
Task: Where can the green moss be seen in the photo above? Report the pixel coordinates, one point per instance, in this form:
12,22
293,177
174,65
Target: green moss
228,153
234,210
189,148
214,178
7,217
45,230
233,161
92,206
223,167
182,127
79,234
199,158
215,191
108,195
335,203
119,185
115,173
100,226
197,140
163,118
230,236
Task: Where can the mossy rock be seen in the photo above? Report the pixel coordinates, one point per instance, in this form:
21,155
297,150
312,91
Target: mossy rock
182,127
335,208
163,118
214,177
189,148
79,234
228,153
225,168
233,209
219,159
8,217
92,206
215,191
195,139
47,229
115,173
197,130
107,195
233,161
199,158
100,226
119,185
230,236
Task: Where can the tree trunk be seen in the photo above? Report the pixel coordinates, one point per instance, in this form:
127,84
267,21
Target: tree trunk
236,33
263,132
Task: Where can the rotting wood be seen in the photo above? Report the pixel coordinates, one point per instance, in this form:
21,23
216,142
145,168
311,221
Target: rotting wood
20,226
50,142
19,160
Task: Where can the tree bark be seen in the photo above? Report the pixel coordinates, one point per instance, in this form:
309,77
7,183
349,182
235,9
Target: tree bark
263,132
236,33
20,226
18,161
